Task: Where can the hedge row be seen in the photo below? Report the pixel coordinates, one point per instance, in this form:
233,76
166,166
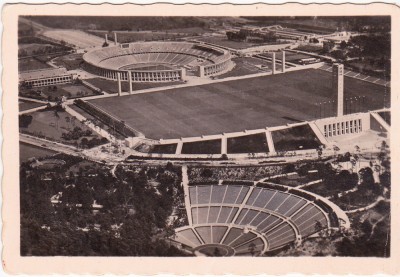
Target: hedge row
118,125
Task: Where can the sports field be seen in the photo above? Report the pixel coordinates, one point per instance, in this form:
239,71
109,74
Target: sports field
237,105
75,37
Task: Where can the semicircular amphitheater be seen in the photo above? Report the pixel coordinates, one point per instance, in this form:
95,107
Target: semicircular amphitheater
157,61
227,220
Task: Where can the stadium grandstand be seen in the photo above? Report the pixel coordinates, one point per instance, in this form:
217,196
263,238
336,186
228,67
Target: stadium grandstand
45,77
157,61
239,220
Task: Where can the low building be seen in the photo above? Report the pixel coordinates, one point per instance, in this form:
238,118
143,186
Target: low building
45,77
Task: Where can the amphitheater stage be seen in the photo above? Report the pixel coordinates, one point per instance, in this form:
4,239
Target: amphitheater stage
238,105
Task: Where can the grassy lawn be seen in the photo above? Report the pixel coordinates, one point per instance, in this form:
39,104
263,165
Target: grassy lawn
48,93
202,147
27,105
386,117
69,91
70,62
47,124
164,148
31,64
295,180
247,66
235,105
110,86
354,200
295,138
323,189
248,144
27,151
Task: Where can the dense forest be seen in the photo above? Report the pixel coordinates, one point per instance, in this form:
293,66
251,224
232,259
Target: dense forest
132,218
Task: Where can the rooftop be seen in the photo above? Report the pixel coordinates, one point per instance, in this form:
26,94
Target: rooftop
42,73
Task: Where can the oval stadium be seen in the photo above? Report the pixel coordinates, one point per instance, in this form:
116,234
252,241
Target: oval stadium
158,61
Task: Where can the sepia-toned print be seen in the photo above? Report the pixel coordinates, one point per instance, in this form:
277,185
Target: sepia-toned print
221,142
204,136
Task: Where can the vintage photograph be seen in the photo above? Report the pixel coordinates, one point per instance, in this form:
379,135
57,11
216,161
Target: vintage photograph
187,136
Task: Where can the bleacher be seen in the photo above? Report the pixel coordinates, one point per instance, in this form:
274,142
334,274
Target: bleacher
233,215
179,53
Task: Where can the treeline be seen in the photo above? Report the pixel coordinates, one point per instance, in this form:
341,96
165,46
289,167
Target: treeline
51,48
327,24
251,36
120,23
377,46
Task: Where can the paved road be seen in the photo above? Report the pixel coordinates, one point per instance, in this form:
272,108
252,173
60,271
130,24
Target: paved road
51,145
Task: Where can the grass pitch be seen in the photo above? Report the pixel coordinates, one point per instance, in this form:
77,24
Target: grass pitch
238,105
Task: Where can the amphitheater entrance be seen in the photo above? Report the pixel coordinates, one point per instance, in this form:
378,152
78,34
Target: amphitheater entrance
215,250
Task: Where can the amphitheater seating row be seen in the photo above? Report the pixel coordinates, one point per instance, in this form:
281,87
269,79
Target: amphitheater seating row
307,218
217,194
235,237
283,203
217,214
182,49
211,204
167,58
281,235
109,53
211,234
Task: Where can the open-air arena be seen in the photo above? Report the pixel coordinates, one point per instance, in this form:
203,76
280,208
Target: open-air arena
157,61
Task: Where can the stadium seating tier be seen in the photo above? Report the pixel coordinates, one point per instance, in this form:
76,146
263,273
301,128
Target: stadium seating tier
250,219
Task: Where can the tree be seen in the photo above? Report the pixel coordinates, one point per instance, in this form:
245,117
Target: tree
367,177
84,142
68,120
57,118
206,173
343,44
73,119
335,149
25,120
170,233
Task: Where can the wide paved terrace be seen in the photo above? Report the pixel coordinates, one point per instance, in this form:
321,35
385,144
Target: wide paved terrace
240,104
